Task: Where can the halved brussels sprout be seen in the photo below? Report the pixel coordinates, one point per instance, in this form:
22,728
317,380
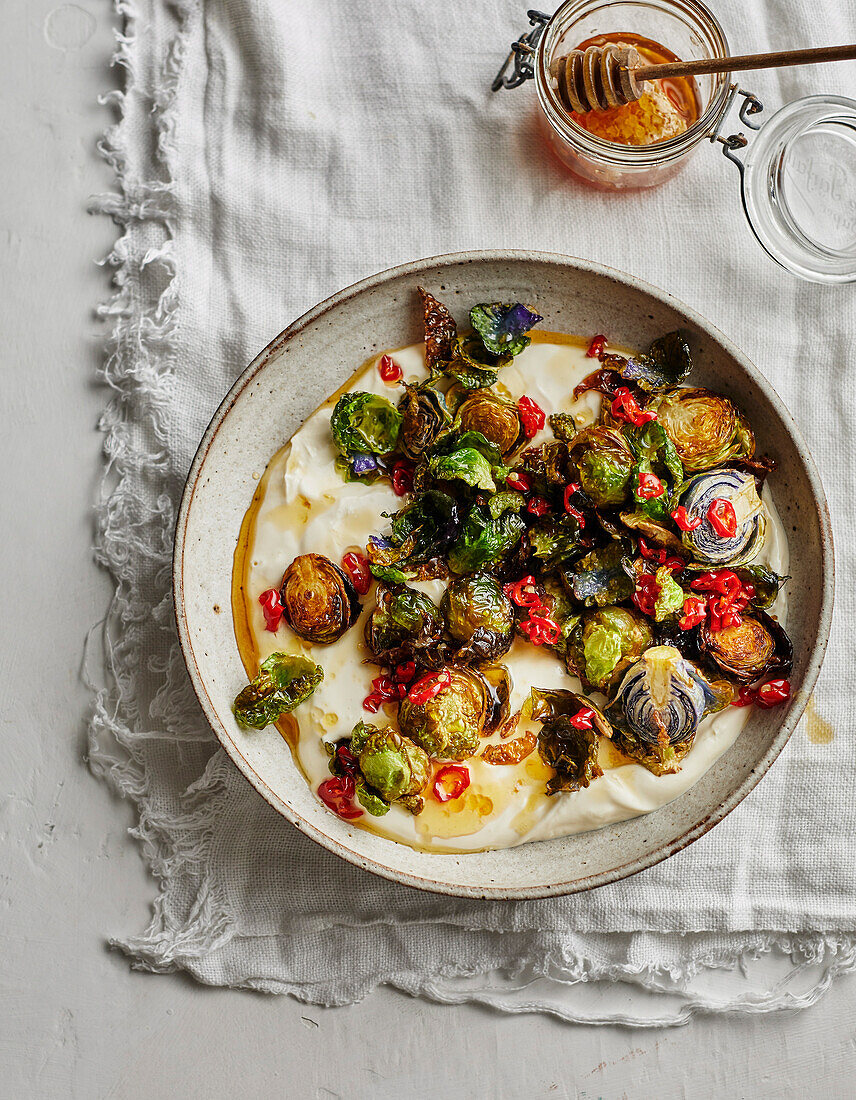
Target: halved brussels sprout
705,427
403,616
393,765
755,648
605,464
658,706
318,600
284,681
364,423
479,614
602,642
449,725
424,416
707,547
497,418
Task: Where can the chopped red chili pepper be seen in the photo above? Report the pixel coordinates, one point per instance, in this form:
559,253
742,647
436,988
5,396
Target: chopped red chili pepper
385,688
429,686
405,672
389,370
538,506
724,582
652,553
539,629
570,490
523,592
450,782
595,348
646,592
346,760
722,518
519,480
684,520
372,702
271,609
694,612
357,568
649,486
626,407
745,697
532,416
402,478
337,795
582,720
772,693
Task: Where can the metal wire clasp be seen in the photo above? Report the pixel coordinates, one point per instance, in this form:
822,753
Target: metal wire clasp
521,54
750,106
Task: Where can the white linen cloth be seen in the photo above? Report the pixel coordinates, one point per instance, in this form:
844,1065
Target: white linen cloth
269,152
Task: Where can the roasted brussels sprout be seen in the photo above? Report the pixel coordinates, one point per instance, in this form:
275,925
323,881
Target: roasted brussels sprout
707,546
605,464
755,648
318,600
602,642
392,765
503,327
284,681
485,539
364,423
403,617
468,457
658,706
567,740
706,429
424,417
479,615
544,703
449,724
497,418
603,576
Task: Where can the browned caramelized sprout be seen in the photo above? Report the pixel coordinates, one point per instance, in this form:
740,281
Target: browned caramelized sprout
318,601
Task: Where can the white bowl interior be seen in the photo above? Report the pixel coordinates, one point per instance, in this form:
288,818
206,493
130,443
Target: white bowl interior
308,362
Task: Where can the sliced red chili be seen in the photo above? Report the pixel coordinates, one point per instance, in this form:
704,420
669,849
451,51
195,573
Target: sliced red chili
646,592
402,478
722,518
373,702
724,582
385,687
389,370
523,592
684,520
519,480
450,782
582,720
337,795
357,568
570,490
652,553
745,697
346,760
625,407
271,609
539,629
773,693
595,348
405,672
532,416
694,612
429,686
538,506
649,486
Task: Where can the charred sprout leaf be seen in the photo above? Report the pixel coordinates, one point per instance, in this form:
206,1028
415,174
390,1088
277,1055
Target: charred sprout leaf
440,331
667,363
555,539
653,531
448,725
511,752
390,574
319,601
705,428
503,327
425,527
365,424
424,418
402,616
505,502
479,614
284,681
544,703
604,639
470,376
497,681
571,752
655,454
562,426
369,800
600,577
605,464
494,417
359,735
393,765
484,540
670,598
766,583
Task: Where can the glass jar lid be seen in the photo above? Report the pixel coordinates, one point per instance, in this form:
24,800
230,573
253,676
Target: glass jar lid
799,187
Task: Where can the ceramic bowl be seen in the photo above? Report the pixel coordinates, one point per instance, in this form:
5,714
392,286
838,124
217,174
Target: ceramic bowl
311,359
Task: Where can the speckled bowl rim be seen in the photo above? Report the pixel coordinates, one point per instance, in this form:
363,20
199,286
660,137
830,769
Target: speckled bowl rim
789,720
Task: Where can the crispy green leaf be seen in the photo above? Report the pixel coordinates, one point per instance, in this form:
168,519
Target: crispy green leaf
284,681
364,423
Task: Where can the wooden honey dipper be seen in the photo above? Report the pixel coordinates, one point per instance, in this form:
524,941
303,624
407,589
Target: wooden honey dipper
610,76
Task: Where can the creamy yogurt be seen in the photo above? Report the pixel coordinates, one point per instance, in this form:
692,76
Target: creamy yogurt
303,506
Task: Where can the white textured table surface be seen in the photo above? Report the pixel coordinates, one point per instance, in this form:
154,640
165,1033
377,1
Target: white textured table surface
77,1021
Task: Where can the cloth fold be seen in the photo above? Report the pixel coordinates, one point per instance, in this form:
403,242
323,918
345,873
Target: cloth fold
266,154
